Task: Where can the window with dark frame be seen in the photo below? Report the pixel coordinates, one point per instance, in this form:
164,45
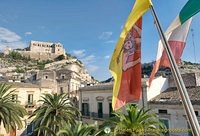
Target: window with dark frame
161,111
110,110
14,98
30,99
166,123
46,76
85,109
100,110
61,89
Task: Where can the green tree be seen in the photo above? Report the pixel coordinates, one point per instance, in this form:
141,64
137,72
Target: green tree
60,57
41,67
10,112
15,55
1,55
19,70
78,130
56,111
135,123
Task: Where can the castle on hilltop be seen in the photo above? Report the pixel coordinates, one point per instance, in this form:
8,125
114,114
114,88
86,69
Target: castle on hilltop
41,50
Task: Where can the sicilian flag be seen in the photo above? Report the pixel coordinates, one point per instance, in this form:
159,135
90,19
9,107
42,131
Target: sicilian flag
125,65
176,35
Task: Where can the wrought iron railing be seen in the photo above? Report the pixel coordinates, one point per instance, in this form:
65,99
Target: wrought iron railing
95,115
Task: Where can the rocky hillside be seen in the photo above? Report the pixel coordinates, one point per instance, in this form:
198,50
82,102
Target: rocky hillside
184,67
14,62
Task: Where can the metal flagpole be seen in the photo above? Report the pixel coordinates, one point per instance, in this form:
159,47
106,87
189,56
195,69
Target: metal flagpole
179,81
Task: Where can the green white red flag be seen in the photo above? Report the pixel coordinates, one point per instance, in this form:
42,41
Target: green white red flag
176,35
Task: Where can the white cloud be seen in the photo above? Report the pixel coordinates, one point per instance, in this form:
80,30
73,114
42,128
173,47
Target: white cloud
11,39
105,35
13,45
107,57
109,42
92,68
28,33
8,36
88,60
78,53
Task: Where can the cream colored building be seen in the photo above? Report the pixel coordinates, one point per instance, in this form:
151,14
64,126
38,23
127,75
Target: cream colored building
27,95
73,65
162,96
95,102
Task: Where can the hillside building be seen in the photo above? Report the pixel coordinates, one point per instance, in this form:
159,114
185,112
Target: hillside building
60,81
41,50
46,47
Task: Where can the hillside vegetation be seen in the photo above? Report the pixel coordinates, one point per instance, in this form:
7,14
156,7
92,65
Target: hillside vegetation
21,64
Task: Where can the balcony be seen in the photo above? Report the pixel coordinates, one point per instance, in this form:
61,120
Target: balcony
85,114
95,115
100,115
30,104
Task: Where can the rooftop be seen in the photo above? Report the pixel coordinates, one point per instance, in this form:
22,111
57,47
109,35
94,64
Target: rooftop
22,85
171,96
101,86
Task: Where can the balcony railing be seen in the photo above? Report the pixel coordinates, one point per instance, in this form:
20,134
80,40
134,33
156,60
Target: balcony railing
30,104
95,115
86,114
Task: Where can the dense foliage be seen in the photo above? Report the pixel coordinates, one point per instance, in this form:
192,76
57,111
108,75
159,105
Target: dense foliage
56,111
134,121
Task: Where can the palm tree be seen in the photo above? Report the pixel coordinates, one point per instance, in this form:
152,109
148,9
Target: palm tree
10,112
135,123
55,112
82,130
78,130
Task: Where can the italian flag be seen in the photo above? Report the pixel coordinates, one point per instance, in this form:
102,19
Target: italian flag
176,35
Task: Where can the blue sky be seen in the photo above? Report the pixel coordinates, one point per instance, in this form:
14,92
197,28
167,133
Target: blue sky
88,29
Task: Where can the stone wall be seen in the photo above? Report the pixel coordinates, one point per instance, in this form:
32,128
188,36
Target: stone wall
46,47
41,50
38,55
46,78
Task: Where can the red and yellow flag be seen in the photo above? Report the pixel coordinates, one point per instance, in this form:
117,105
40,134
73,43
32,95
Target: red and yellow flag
125,65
